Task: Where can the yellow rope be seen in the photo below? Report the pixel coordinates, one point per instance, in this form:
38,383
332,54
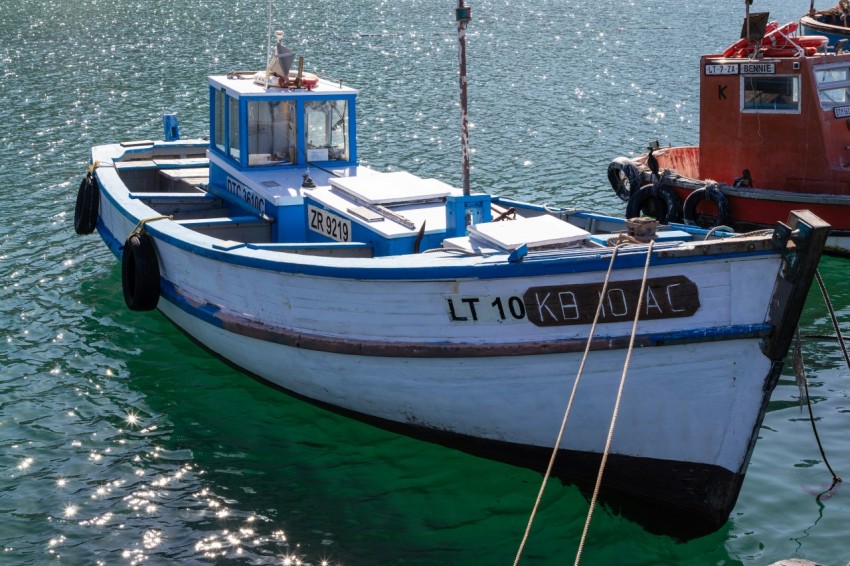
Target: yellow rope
616,405
92,167
568,409
140,227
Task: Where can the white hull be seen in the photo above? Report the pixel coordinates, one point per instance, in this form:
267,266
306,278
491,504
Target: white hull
702,409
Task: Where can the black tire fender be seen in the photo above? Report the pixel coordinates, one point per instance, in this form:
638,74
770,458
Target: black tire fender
710,193
88,201
624,176
140,272
657,201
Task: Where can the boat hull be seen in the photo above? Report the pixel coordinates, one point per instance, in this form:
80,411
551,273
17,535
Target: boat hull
481,350
683,437
685,428
751,208
819,23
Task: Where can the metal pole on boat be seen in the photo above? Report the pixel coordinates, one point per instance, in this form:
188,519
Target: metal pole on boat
463,14
748,2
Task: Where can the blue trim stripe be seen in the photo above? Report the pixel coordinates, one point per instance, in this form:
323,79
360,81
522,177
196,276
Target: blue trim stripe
534,265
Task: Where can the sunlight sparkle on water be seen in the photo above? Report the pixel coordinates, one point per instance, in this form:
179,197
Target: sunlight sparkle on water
152,539
55,541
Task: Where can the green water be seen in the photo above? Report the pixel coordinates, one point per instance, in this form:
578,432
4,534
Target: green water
121,441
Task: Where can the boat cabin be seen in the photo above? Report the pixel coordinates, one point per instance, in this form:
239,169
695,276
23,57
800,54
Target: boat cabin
289,155
255,127
776,122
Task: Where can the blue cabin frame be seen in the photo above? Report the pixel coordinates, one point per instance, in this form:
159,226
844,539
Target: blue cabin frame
224,99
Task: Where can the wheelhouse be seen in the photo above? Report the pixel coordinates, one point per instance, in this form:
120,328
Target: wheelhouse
254,127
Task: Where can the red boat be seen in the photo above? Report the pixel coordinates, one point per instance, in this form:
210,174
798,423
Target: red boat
774,137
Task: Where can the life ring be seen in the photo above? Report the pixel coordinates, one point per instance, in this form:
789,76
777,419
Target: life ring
816,41
787,51
657,201
140,272
778,42
624,177
263,78
779,36
744,43
88,200
308,80
712,194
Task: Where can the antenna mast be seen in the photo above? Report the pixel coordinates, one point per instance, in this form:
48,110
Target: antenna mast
463,15
268,46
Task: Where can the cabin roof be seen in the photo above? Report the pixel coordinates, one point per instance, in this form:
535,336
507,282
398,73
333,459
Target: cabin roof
241,85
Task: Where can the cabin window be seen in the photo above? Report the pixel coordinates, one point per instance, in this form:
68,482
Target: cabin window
233,122
833,87
771,93
327,130
271,132
218,126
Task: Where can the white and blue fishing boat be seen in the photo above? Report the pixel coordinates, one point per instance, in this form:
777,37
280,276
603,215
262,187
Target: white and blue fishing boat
832,23
464,318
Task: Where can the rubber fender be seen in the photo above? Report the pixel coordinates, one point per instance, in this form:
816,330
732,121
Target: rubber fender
714,195
88,201
140,273
624,177
657,201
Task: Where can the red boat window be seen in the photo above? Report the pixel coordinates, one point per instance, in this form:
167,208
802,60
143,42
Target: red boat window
771,93
833,85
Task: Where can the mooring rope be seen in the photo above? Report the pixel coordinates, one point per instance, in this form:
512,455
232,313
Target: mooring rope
832,316
616,405
803,384
568,408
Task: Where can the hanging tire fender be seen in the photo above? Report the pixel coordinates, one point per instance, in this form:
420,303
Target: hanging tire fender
657,201
88,201
624,176
140,272
710,193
